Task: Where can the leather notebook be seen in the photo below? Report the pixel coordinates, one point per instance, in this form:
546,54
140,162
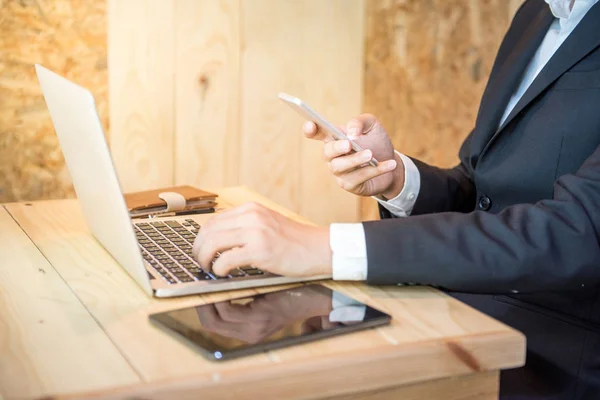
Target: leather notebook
169,200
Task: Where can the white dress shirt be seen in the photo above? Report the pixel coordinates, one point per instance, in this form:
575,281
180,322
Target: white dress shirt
347,241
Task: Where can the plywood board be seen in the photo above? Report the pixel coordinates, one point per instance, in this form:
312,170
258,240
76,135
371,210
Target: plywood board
427,64
69,37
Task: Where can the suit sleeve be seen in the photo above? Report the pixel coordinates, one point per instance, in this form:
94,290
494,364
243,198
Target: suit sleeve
550,245
443,190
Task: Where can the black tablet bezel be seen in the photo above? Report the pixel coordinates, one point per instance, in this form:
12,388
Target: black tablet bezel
161,320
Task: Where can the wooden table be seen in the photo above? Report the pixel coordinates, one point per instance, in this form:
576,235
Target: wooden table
74,325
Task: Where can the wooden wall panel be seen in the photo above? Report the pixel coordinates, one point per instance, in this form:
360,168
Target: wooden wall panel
207,84
310,49
141,59
69,37
193,86
427,63
337,94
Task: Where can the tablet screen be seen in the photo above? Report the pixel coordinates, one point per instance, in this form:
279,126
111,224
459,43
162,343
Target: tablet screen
262,322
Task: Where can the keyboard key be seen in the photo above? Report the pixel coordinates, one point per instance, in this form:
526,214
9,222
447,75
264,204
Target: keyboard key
200,275
254,272
234,273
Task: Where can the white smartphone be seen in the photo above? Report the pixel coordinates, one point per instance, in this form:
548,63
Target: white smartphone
333,131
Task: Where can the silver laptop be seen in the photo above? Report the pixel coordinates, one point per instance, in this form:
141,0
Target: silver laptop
155,252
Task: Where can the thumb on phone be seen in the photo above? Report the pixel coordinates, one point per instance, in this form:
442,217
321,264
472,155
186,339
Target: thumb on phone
360,125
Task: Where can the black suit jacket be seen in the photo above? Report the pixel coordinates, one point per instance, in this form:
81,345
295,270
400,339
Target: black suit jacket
517,223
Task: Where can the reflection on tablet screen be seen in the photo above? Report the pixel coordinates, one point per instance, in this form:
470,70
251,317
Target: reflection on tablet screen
267,318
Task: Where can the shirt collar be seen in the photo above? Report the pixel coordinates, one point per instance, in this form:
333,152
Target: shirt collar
561,9
569,17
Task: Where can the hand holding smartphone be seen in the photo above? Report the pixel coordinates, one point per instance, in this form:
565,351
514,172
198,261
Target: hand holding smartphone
333,131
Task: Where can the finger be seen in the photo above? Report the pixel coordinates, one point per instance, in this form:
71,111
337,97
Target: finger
343,165
242,218
210,320
232,259
249,207
327,324
335,149
312,131
232,312
354,179
209,317
218,242
311,325
238,217
361,125
354,128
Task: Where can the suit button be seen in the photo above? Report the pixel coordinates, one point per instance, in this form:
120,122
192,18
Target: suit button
485,203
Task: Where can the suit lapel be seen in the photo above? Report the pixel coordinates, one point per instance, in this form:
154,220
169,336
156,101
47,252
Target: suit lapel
507,79
584,39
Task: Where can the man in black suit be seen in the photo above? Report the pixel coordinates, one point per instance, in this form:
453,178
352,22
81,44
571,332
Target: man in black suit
512,230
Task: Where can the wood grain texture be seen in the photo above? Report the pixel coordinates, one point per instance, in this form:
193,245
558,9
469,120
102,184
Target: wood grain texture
297,47
480,386
69,37
427,65
432,335
483,386
207,92
141,65
37,309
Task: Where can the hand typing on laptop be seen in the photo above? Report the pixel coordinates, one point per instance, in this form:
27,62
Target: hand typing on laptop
255,235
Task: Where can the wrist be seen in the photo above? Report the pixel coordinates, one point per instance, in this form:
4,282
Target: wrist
397,182
322,251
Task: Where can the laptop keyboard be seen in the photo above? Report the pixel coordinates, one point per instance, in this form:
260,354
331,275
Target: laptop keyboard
167,247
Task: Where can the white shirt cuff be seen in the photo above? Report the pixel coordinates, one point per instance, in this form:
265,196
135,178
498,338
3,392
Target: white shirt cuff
345,309
349,248
403,204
